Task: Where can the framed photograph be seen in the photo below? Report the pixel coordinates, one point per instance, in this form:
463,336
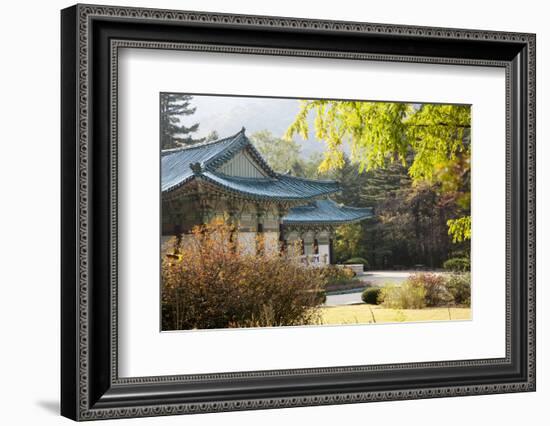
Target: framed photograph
263,212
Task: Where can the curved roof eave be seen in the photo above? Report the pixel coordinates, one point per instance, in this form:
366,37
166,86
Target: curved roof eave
225,184
326,212
326,222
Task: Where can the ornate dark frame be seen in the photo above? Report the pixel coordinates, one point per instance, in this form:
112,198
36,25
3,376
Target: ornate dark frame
91,37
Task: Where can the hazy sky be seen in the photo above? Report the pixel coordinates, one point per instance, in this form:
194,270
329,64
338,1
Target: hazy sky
227,115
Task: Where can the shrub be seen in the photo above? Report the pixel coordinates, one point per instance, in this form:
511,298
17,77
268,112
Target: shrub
409,295
434,285
336,275
211,284
418,291
371,295
357,260
322,295
459,286
457,264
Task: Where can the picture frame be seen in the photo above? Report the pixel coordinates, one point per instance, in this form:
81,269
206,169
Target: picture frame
90,385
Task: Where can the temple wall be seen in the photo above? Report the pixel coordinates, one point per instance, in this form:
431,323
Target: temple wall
271,221
247,242
324,253
166,244
308,238
243,166
323,237
308,248
294,245
292,236
248,221
180,216
271,242
187,239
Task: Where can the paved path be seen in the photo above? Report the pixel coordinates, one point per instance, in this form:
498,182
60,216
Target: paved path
386,277
343,299
373,277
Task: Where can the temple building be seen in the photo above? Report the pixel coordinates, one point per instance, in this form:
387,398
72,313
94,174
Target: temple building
229,178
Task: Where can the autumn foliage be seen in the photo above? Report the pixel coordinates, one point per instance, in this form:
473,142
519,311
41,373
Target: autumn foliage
208,282
427,290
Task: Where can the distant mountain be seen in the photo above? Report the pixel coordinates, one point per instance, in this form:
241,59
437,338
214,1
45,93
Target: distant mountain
228,114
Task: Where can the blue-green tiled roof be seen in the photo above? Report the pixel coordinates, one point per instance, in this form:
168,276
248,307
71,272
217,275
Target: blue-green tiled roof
180,165
176,163
281,187
325,211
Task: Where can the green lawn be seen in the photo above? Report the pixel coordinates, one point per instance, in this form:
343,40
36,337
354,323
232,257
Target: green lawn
364,314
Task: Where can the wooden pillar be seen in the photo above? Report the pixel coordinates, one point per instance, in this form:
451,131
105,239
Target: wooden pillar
260,216
206,210
282,211
233,213
282,240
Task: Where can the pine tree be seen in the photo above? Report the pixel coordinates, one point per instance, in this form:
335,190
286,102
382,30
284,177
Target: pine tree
173,107
212,136
384,241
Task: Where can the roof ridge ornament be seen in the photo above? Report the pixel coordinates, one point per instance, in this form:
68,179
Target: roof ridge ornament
196,168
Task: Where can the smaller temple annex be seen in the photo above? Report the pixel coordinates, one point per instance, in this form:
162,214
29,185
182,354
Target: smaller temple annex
228,178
